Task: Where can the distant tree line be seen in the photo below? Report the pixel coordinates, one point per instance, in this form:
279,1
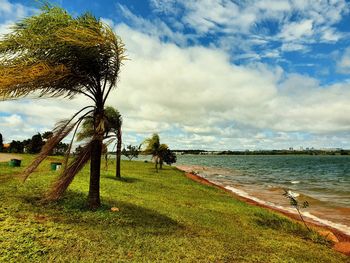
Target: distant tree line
32,145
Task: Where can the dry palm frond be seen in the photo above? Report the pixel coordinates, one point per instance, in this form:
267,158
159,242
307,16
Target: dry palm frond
62,129
60,132
64,180
20,79
77,124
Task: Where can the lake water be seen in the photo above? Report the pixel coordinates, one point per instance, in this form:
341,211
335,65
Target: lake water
324,181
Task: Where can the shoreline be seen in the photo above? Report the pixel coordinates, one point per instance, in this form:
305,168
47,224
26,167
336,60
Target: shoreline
340,240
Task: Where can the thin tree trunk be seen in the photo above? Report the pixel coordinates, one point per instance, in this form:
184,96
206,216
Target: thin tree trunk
156,161
119,152
106,161
160,163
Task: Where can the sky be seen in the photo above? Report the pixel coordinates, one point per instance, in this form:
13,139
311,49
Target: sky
214,74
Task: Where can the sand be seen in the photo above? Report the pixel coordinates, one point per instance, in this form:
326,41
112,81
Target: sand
6,157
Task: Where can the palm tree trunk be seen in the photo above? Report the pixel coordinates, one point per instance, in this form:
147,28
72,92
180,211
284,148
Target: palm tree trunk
94,201
106,161
94,190
119,152
160,163
156,161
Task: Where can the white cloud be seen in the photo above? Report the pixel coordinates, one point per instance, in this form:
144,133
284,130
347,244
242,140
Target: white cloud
198,90
298,22
293,47
296,30
156,28
343,64
13,120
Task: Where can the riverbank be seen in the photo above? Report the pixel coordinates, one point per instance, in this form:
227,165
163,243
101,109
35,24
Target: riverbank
156,217
340,239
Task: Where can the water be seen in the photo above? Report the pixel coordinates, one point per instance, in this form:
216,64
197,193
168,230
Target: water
324,181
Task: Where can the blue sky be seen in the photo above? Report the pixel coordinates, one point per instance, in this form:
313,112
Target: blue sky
215,74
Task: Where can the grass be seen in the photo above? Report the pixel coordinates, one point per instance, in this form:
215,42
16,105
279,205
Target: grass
163,217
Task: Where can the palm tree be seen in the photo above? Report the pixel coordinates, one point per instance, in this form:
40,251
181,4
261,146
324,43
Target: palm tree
115,122
53,54
113,130
154,148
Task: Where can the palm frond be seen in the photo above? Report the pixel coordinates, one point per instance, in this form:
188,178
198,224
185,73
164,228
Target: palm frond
61,184
20,79
60,132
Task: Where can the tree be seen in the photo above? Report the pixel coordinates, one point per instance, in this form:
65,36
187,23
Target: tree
157,150
47,135
1,143
169,157
35,144
16,147
113,130
61,148
54,54
114,124
131,151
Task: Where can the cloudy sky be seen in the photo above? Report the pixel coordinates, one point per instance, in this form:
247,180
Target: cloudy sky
215,74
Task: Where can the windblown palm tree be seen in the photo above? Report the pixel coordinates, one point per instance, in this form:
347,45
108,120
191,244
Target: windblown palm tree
113,130
154,148
56,55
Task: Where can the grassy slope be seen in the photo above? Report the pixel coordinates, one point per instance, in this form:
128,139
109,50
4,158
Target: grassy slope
162,217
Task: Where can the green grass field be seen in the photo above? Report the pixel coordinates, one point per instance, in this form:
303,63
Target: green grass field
163,217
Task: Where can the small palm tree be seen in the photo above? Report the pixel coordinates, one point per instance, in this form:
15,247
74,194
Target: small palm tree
113,130
53,54
154,148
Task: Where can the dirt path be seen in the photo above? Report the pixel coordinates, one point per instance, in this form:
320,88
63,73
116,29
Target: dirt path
5,157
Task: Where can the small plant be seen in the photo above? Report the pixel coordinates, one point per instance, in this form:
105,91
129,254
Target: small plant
131,151
295,203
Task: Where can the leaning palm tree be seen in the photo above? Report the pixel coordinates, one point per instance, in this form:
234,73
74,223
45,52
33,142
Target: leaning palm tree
113,131
115,122
154,148
53,54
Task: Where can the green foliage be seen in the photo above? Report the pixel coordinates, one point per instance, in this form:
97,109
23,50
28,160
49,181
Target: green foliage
112,124
35,144
162,218
152,145
160,152
169,157
131,151
58,55
47,135
16,147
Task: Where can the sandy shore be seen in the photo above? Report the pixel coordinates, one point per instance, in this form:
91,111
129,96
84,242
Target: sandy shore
341,240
